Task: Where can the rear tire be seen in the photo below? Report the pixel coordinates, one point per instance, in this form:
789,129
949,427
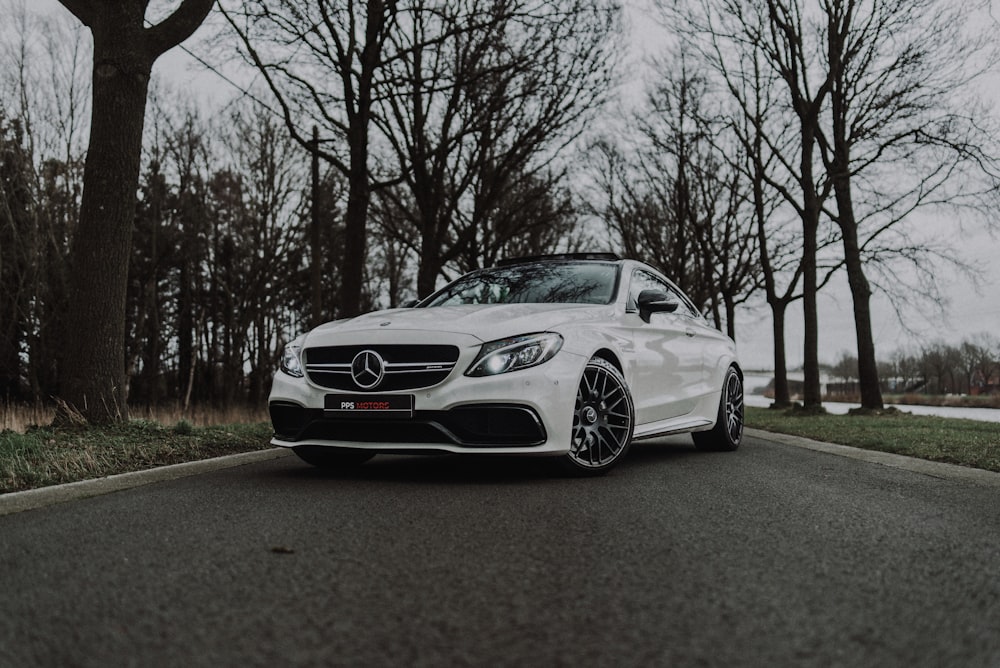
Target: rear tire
332,458
603,420
727,433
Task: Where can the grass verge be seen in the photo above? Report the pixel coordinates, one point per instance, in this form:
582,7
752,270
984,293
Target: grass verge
50,456
964,442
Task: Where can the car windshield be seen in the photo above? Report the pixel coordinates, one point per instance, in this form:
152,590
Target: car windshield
538,283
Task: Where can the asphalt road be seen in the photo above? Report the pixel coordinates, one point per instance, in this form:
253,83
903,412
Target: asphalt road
770,556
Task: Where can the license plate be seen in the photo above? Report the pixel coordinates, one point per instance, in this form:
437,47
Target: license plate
368,405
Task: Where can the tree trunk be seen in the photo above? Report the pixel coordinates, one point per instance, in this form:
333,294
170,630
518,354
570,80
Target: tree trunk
93,361
871,391
812,397
782,397
730,316
811,387
355,229
356,221
317,315
429,263
840,172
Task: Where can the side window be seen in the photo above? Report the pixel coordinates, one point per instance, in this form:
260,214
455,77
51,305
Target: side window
642,280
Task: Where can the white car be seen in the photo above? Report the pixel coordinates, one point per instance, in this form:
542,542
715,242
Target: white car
569,356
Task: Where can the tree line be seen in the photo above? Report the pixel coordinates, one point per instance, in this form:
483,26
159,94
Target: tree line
969,367
779,145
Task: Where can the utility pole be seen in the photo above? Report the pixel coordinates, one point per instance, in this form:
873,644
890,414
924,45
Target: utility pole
316,311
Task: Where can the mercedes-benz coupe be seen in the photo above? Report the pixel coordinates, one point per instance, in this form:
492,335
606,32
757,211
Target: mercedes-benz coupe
573,357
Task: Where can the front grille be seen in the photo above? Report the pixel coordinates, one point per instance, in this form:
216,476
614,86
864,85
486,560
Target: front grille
407,367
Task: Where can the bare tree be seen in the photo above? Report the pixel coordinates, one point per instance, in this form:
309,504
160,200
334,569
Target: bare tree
980,360
218,269
15,227
941,363
751,91
534,216
896,70
93,364
324,62
906,369
43,102
730,33
680,200
266,240
872,87
766,136
485,99
153,245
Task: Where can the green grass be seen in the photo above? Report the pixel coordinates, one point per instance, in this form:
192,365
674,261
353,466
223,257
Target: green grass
50,456
965,442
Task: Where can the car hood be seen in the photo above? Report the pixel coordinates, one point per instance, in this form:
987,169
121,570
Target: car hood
485,322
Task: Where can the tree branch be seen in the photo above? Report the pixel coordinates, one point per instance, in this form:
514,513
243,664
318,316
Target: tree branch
177,27
85,10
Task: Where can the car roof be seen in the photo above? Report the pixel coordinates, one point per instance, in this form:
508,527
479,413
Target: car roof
559,257
601,257
577,257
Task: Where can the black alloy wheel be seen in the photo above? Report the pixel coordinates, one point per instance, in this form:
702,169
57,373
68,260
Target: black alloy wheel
727,434
603,420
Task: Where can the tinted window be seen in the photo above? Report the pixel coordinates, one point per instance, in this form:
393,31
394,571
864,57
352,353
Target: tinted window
542,283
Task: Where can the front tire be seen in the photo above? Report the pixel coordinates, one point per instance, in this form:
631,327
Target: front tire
332,458
603,420
727,433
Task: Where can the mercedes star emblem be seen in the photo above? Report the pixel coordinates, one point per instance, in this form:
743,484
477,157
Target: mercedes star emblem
367,369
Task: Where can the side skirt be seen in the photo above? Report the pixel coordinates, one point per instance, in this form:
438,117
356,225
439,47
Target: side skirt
666,427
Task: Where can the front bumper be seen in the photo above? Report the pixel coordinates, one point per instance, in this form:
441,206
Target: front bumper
528,412
470,426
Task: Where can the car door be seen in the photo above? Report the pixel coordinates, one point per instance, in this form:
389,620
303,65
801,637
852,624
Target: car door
668,360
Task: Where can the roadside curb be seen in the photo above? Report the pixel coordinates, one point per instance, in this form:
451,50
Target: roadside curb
16,502
923,466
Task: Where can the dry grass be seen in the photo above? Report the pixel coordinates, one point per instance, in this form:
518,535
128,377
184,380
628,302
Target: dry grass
19,417
51,455
34,453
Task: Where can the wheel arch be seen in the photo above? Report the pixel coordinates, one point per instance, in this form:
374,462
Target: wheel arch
721,363
610,357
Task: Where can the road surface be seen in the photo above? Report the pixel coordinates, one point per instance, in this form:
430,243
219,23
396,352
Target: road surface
770,556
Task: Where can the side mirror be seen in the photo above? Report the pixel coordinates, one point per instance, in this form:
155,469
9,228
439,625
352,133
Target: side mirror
654,301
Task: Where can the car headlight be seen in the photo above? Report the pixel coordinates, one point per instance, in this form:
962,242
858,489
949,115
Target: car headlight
518,352
290,363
